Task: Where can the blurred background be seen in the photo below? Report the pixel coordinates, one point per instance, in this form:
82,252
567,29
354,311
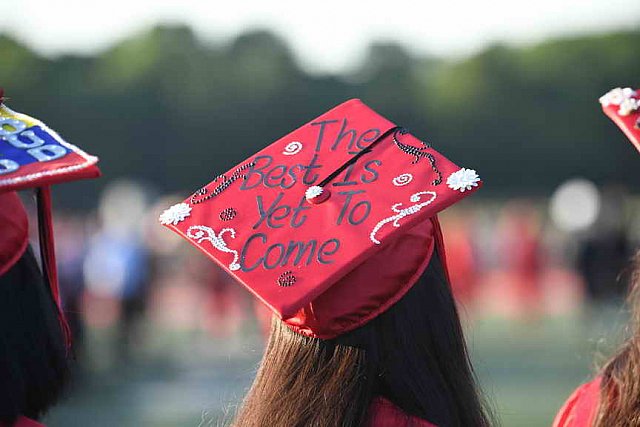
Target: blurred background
169,94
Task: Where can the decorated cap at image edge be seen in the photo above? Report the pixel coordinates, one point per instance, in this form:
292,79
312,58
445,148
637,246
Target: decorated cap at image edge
33,156
622,105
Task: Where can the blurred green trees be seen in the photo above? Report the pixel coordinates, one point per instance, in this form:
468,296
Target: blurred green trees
170,109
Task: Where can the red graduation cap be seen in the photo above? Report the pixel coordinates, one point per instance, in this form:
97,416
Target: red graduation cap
623,107
34,156
330,225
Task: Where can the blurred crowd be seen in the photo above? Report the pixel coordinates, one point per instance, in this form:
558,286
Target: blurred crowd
522,259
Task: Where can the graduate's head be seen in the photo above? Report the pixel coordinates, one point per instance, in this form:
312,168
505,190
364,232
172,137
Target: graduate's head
334,228
414,354
620,386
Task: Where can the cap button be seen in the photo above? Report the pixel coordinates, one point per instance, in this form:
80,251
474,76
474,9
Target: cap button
316,194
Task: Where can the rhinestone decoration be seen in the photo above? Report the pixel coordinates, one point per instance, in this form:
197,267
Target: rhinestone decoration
175,214
17,125
8,166
228,214
200,233
624,98
88,159
203,194
616,96
401,213
418,153
402,180
463,180
628,106
287,279
292,148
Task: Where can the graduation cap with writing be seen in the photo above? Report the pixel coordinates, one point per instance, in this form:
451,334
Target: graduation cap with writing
330,225
623,107
32,156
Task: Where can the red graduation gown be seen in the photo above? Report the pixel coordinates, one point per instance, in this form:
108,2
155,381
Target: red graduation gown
383,413
581,407
24,422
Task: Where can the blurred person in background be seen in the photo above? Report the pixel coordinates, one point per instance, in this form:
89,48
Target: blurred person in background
604,252
613,397
462,262
116,267
224,306
179,274
522,252
71,249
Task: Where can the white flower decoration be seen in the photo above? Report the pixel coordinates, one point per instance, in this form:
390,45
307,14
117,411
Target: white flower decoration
463,180
616,96
175,214
313,192
628,106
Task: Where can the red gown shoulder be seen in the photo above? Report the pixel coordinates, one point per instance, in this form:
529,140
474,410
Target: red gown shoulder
581,407
23,422
383,413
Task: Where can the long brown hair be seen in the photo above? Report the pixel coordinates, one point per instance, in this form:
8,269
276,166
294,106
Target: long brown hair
414,355
620,386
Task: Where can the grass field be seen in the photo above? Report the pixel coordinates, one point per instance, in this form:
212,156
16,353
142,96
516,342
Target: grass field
179,379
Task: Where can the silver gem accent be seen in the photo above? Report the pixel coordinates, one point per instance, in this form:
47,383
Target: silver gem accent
201,195
287,279
228,214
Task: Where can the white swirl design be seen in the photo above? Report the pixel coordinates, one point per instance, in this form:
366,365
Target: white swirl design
403,179
203,232
292,148
401,213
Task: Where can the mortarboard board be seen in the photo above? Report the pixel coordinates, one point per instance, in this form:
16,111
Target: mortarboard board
330,225
34,156
623,107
